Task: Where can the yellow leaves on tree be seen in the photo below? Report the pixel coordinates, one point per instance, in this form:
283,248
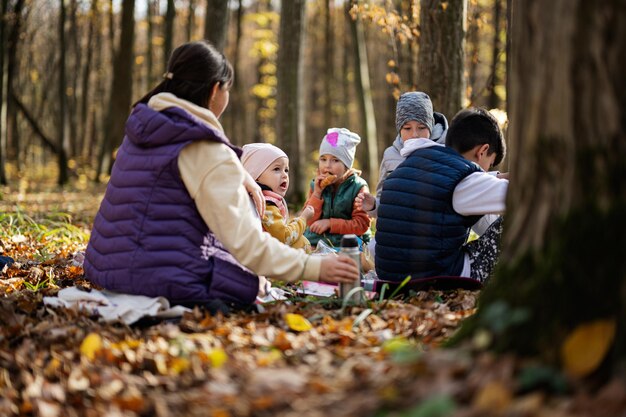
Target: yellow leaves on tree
586,346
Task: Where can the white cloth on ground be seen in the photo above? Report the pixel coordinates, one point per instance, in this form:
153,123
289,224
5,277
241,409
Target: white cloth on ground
112,306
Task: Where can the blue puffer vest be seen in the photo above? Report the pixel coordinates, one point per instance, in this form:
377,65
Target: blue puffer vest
418,233
148,237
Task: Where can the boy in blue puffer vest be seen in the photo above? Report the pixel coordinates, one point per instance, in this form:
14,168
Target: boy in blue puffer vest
430,201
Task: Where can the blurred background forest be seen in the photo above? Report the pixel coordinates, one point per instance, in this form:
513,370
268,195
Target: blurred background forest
72,69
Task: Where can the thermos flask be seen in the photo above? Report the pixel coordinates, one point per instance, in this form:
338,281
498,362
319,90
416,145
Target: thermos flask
350,247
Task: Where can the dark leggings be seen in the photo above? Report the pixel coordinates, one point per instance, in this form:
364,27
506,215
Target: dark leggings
484,251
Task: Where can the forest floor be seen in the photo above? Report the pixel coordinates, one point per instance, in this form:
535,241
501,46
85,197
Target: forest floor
300,357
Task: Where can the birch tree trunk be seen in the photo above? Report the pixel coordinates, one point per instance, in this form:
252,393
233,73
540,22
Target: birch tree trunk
563,260
441,54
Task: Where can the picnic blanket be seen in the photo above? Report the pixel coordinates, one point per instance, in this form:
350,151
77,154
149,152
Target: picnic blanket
112,306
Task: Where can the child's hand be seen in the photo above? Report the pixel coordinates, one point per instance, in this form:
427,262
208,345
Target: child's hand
365,202
338,269
503,175
307,213
317,187
320,226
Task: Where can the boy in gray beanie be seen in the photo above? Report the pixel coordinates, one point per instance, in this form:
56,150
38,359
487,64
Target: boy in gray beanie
414,118
416,106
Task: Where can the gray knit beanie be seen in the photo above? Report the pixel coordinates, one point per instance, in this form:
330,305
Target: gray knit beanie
417,106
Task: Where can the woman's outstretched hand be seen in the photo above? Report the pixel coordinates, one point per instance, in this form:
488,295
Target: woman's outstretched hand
255,192
338,269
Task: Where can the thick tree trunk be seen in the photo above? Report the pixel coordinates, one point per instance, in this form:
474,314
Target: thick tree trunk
441,55
122,85
563,259
290,122
216,22
366,104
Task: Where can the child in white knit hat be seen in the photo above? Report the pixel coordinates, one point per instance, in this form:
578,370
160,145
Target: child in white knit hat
269,166
334,190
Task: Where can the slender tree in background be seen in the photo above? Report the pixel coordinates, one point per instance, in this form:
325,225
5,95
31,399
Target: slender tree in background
191,17
216,22
441,53
112,31
496,51
290,123
62,101
237,131
121,87
4,5
170,17
473,38
86,88
365,103
12,64
563,263
329,49
73,63
149,44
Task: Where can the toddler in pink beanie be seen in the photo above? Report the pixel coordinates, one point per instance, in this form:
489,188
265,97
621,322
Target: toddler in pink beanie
269,166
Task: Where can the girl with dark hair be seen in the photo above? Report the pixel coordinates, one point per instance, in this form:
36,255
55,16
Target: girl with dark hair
177,219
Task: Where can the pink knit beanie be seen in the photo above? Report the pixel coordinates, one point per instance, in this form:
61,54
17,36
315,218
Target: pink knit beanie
257,157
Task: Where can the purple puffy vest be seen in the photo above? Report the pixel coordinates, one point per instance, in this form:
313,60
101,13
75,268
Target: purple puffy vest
148,237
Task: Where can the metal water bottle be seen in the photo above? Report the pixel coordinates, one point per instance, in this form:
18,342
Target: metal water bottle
350,247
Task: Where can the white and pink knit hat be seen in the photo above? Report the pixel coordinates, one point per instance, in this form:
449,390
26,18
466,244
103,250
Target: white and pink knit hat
257,157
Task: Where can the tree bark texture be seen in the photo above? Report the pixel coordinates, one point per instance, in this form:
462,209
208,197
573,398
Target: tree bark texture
216,22
290,123
563,246
122,84
441,54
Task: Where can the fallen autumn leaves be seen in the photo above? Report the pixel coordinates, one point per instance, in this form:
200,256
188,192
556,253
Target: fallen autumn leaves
297,358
